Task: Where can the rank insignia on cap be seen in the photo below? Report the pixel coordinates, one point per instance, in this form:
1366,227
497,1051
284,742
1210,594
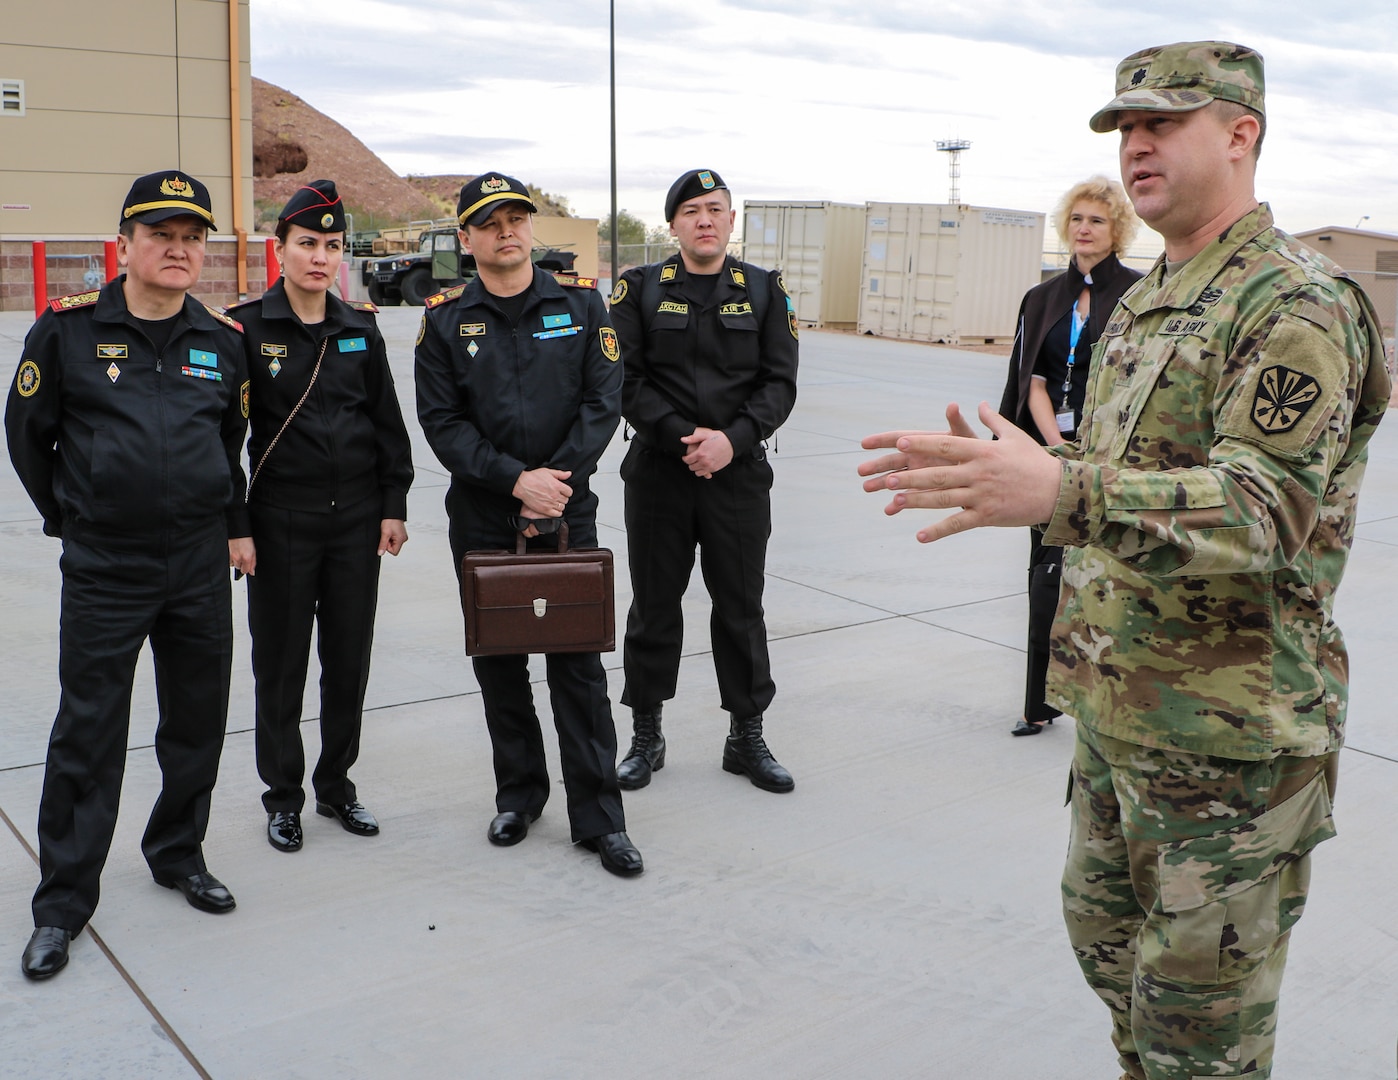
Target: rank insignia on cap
270,349
706,179
275,367
27,381
113,372
326,220
473,348
494,184
1283,397
610,349
473,329
739,278
667,273
112,352
619,293
245,397
175,186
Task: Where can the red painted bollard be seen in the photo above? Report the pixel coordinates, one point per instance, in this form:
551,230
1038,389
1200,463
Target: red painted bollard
274,269
41,277
109,250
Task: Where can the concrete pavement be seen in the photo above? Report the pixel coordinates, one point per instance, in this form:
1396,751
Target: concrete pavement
895,916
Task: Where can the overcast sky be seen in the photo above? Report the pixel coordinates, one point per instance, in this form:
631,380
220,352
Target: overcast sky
838,100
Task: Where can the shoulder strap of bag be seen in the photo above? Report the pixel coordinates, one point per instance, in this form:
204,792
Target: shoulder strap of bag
289,417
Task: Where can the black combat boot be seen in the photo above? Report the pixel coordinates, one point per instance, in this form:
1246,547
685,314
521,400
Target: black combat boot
745,752
647,751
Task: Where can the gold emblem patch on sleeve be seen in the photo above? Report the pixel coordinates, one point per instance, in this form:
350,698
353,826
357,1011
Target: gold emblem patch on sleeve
610,348
27,381
1283,397
422,328
619,293
245,398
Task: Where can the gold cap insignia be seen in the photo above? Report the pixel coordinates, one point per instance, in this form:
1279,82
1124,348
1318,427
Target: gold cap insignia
176,186
495,183
326,220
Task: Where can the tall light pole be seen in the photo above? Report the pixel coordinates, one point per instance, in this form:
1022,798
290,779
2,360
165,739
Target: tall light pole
612,41
954,147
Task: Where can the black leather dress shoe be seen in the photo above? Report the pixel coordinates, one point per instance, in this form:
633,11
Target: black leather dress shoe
203,891
618,853
509,827
1029,727
352,816
284,830
47,952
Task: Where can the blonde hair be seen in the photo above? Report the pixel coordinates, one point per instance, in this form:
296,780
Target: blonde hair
1099,189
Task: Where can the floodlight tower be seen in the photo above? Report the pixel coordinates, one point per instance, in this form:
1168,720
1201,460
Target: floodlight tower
954,147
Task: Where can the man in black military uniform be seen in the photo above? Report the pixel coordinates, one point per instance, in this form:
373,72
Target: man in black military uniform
519,392
332,465
710,346
125,423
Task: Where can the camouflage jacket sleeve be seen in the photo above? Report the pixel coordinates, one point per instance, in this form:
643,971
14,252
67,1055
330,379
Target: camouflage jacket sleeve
1214,443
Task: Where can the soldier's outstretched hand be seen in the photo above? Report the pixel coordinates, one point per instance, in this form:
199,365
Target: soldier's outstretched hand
1010,481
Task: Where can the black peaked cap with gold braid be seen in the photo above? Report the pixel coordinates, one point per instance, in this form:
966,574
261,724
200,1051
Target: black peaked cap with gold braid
480,197
159,196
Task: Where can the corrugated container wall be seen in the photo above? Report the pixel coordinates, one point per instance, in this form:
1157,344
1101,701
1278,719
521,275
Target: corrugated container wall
954,274
818,247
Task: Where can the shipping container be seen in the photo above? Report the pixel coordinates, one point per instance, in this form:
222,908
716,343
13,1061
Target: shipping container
818,247
953,274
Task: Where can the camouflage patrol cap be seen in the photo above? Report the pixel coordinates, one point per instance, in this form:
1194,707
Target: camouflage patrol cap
1184,77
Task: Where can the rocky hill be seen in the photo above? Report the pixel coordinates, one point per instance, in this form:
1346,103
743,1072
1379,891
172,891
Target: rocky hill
293,143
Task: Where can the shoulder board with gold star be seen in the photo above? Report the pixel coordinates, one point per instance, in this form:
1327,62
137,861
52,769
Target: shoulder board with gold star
362,305
575,281
227,320
442,297
77,300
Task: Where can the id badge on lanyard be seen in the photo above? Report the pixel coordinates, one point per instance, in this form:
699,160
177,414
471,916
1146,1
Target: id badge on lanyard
1066,420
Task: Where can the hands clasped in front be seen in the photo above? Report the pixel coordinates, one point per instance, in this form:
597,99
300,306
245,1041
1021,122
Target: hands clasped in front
1010,481
542,494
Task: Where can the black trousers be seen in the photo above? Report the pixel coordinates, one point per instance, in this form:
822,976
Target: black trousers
321,569
112,602
729,517
582,712
1045,579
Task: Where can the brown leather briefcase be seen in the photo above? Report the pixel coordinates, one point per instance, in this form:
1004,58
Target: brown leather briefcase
539,601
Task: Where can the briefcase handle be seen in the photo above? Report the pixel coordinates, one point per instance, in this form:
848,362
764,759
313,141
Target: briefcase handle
545,526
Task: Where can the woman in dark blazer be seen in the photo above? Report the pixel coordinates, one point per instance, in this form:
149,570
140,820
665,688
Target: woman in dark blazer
331,466
1059,322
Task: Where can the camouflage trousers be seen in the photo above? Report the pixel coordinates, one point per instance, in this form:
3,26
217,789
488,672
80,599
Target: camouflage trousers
1185,875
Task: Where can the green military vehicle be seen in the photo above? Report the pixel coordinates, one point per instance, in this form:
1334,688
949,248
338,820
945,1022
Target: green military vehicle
437,264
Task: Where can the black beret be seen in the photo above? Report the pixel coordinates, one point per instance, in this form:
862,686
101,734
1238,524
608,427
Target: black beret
316,206
160,196
480,197
695,182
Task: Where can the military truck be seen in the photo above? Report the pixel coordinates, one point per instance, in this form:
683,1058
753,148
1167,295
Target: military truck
437,264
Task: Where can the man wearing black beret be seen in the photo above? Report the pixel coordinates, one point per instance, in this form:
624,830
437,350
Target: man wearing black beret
711,352
125,423
519,392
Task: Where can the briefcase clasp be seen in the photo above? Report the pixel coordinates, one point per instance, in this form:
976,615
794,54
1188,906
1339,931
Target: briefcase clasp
540,606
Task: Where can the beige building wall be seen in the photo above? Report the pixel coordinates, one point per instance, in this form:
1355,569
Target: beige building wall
112,90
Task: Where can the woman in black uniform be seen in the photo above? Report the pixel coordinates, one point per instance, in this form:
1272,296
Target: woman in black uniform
331,466
1059,322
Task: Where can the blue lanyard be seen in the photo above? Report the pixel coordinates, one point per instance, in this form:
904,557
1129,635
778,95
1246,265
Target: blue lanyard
1074,332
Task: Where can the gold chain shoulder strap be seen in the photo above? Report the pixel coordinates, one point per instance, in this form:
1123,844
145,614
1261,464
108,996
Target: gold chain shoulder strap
289,418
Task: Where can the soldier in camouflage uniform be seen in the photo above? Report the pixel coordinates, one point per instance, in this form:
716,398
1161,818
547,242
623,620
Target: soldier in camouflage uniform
1208,508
